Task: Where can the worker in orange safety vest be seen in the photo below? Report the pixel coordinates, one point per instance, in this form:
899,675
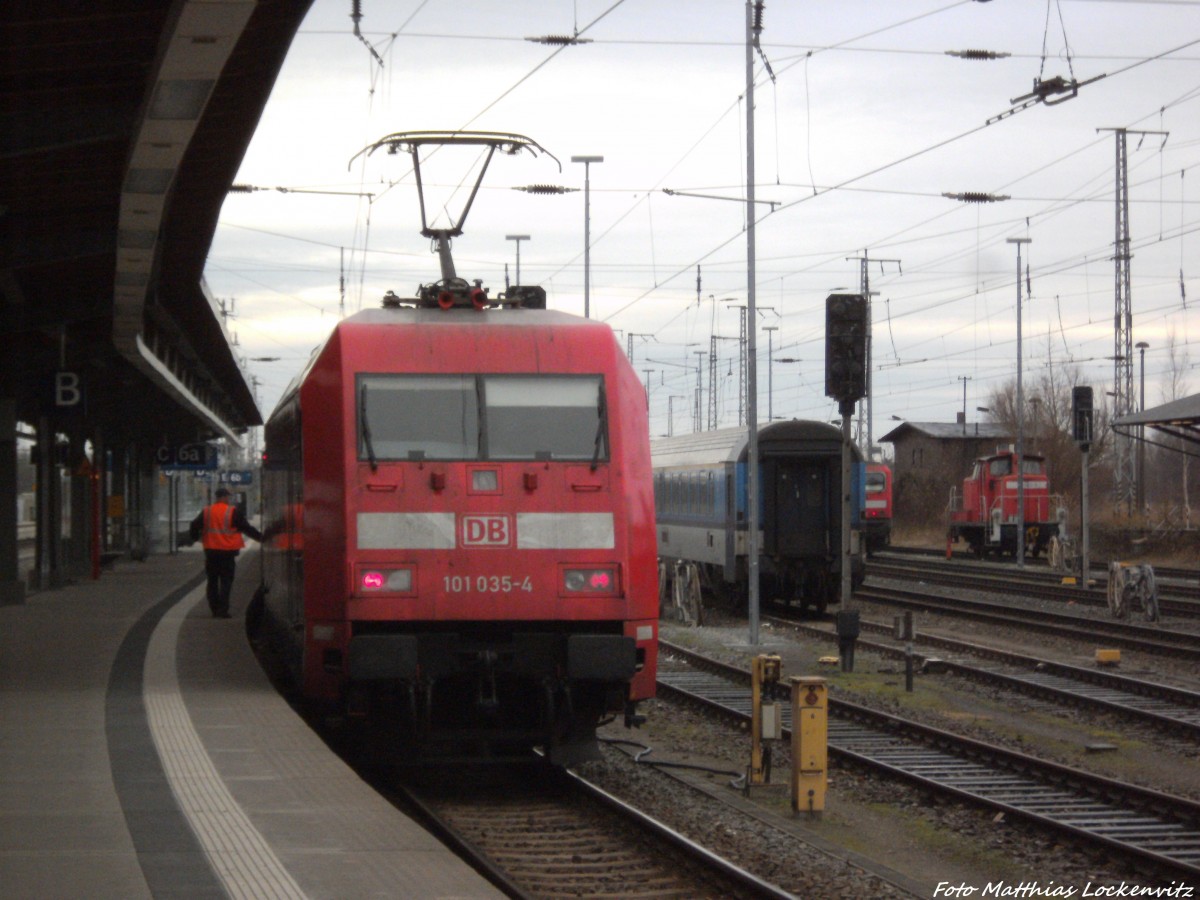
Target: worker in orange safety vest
220,527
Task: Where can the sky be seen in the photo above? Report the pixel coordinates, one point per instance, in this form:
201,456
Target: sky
864,120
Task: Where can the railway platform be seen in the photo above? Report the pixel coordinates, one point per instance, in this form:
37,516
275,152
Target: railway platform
143,753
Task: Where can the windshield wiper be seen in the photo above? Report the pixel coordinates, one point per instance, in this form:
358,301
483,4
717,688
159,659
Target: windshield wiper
601,427
366,429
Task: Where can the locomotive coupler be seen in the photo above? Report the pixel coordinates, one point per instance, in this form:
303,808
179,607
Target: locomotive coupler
488,697
411,692
550,691
633,719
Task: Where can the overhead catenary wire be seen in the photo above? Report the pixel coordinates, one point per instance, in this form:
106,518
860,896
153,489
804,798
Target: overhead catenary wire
781,276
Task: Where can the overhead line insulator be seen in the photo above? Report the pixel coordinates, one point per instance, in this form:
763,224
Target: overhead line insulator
545,189
977,197
979,54
559,40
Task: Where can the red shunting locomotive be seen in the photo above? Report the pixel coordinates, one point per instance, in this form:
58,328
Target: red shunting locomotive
986,513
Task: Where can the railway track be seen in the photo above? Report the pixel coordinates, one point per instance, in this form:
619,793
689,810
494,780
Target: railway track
1158,832
1179,583
1171,709
545,833
1153,640
1011,580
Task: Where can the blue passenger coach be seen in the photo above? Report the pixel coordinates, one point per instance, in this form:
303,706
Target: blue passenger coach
700,492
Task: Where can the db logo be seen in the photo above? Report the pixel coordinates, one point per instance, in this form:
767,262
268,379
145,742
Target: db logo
485,531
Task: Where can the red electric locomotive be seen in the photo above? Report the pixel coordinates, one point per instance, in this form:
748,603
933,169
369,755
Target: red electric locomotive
463,541
877,506
477,547
985,514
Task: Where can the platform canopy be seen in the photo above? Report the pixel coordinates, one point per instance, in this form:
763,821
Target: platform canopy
1178,419
122,125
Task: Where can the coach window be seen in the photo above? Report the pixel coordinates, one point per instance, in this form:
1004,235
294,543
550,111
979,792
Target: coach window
545,417
417,417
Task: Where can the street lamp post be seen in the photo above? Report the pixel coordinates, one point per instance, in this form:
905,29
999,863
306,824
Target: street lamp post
770,329
1142,347
587,229
518,238
964,379
1020,419
792,359
671,412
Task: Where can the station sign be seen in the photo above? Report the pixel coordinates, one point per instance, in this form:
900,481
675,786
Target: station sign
68,390
190,457
209,476
64,395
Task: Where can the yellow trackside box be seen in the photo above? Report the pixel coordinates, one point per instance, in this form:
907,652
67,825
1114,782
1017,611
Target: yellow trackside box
810,743
765,719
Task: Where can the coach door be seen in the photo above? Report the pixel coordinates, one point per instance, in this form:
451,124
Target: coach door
796,504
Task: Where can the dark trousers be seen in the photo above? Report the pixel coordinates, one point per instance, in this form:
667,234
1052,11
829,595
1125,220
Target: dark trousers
220,566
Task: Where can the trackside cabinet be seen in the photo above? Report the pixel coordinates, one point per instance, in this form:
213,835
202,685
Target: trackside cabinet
810,743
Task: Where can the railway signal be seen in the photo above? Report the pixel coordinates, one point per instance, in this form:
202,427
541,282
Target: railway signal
845,349
1082,432
1081,415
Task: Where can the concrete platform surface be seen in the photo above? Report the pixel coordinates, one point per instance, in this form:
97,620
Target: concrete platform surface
143,753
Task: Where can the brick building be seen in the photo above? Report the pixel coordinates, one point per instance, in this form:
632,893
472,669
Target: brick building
929,458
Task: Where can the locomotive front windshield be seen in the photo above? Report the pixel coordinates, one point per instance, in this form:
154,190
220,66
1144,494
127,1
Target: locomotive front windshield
471,417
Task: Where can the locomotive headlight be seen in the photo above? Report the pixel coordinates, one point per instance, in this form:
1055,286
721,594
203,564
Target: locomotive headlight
381,580
591,581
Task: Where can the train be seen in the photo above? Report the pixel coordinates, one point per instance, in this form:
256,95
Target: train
984,514
877,507
460,527
700,488
459,516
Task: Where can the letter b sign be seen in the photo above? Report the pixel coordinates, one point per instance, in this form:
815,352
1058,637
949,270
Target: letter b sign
68,392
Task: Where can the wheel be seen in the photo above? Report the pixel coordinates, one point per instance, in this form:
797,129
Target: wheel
1117,606
686,593
1054,554
1148,593
693,608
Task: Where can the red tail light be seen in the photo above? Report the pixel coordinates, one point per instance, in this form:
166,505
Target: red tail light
385,580
601,581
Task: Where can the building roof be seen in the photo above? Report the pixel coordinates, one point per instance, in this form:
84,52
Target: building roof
949,431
